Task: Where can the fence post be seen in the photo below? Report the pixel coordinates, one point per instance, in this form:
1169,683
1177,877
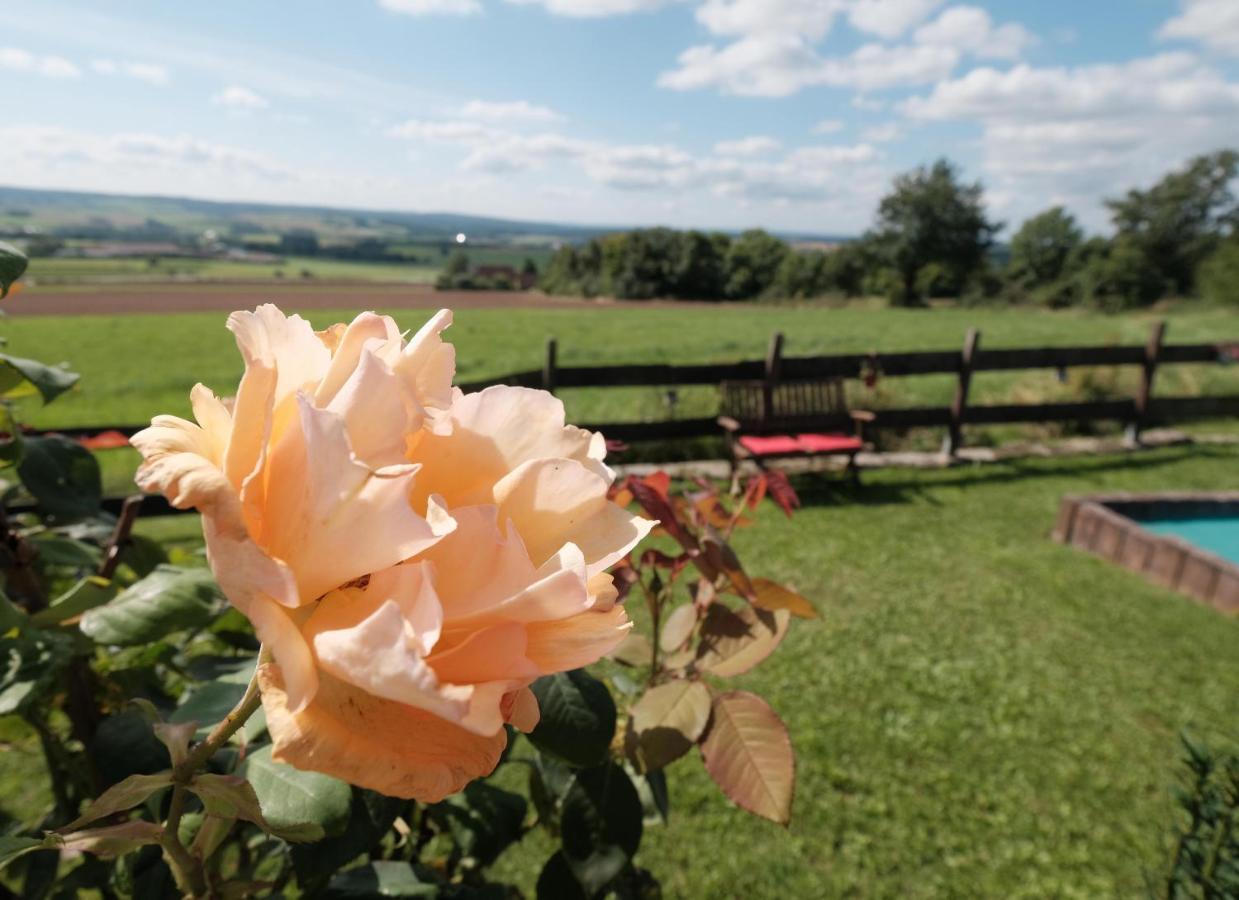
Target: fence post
548,366
1152,352
960,404
774,364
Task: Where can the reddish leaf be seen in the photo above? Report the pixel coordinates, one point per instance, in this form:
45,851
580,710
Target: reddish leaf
655,557
772,596
755,491
722,558
660,482
114,840
668,720
747,752
678,628
656,506
705,484
121,796
781,492
734,642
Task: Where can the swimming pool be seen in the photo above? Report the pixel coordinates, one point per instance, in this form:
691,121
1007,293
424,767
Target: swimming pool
1188,542
1218,534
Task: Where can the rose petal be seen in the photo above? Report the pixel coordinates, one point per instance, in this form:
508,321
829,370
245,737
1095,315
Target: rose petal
375,743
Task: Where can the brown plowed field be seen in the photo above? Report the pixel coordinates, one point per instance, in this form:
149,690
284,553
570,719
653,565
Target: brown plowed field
208,297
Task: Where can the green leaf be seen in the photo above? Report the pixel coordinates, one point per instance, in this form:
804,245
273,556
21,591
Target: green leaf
20,377
602,810
12,264
370,820
124,745
119,797
290,797
15,846
578,718
29,665
232,797
484,820
87,594
63,552
557,881
208,703
169,599
62,476
11,615
386,878
12,446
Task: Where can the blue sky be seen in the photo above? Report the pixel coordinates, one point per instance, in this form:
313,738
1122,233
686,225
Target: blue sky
787,114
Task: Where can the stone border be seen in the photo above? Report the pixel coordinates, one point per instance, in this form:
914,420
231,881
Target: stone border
1102,524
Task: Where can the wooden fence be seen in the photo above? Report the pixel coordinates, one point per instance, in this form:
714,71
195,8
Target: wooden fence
1136,412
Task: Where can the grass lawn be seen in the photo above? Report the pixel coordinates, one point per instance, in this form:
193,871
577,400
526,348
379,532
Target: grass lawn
978,713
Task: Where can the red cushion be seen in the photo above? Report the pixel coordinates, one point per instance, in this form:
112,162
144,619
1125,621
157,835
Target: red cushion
770,444
828,443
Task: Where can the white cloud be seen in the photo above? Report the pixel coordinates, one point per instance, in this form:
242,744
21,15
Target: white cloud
868,104
238,97
890,18
589,9
1082,133
443,131
969,29
432,7
514,111
1215,23
810,19
828,126
47,66
151,73
875,66
755,145
884,133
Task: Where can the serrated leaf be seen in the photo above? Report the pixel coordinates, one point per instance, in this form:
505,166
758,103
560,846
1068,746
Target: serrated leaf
747,752
114,840
382,878
733,642
169,599
678,627
719,555
232,797
578,718
668,720
290,797
12,264
773,596
62,476
20,377
119,797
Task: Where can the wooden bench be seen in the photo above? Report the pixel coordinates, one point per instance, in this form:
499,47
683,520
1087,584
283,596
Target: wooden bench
765,421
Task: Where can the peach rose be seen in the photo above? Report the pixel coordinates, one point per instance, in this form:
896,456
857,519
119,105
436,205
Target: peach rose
414,557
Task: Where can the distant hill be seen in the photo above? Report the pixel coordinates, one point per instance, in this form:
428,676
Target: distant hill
27,210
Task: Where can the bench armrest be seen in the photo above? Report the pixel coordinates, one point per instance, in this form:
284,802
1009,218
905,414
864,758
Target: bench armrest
861,415
728,423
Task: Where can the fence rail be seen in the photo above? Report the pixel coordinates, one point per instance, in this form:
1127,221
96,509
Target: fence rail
1137,412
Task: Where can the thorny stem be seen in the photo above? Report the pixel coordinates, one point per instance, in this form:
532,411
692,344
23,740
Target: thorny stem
188,870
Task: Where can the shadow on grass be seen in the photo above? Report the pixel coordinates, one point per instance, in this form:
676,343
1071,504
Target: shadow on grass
891,486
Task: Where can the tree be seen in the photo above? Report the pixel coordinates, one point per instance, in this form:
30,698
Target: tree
931,218
1179,221
698,271
1219,276
752,261
1043,248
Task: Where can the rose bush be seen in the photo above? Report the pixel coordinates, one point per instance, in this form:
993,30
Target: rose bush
414,558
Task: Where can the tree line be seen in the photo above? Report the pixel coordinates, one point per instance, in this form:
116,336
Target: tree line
932,238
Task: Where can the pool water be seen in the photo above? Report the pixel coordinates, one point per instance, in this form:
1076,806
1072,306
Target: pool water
1217,534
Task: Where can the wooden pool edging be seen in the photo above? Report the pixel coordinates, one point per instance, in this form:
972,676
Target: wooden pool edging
1102,524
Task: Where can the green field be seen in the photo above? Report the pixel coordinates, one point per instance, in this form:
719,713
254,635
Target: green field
72,271
135,366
